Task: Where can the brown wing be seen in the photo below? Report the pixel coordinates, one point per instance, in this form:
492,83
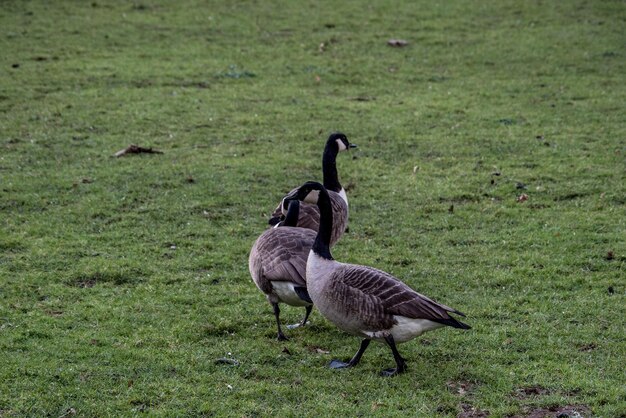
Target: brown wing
391,296
280,254
356,304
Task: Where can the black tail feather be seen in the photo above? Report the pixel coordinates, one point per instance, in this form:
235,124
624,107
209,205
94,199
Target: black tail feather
452,323
303,293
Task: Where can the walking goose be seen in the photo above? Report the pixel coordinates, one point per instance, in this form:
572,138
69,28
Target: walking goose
309,214
362,300
277,265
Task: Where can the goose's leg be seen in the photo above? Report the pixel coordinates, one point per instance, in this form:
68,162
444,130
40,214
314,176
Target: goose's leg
307,312
281,336
337,364
400,363
306,317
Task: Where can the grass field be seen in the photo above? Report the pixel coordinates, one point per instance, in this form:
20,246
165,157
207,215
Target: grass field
123,280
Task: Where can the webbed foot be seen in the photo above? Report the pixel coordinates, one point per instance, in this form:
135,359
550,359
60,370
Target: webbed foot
390,372
338,364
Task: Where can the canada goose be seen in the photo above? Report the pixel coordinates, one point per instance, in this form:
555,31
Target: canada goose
362,300
277,265
309,214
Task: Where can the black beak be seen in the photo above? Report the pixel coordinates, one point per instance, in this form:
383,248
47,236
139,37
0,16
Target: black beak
291,196
353,146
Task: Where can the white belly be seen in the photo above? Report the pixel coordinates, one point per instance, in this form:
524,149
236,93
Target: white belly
406,329
287,294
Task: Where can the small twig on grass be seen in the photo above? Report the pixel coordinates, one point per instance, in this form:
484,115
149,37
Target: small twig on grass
136,149
227,361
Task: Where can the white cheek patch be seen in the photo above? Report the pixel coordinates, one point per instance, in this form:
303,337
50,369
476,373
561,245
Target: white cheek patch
341,145
343,195
282,207
312,197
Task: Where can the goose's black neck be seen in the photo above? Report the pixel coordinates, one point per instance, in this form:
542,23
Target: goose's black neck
329,166
291,219
321,246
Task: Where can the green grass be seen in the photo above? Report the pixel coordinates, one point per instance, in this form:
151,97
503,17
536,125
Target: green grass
122,280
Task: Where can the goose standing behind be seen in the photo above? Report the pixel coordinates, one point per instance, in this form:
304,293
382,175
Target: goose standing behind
362,300
309,216
277,265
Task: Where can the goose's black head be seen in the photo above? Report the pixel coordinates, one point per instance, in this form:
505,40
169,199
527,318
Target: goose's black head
339,140
309,192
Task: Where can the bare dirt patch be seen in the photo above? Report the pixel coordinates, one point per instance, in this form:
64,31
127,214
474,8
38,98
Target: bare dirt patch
567,411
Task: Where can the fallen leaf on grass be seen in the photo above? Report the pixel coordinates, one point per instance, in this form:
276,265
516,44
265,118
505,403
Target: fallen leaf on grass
469,411
460,387
136,149
318,350
376,405
397,43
